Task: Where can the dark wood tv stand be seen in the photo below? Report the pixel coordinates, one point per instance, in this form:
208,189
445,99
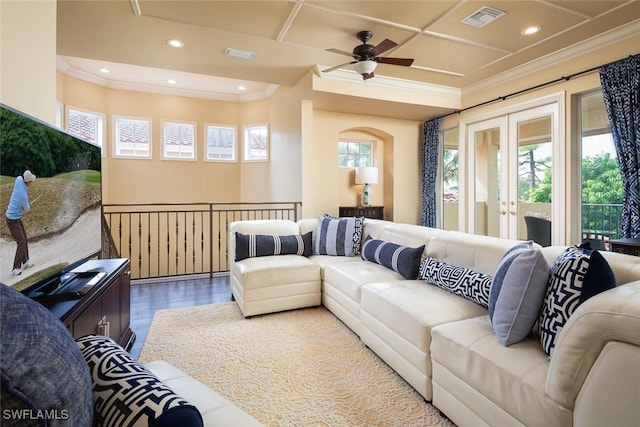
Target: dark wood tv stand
105,309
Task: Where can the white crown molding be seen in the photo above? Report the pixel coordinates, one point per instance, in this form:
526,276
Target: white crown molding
66,69
586,47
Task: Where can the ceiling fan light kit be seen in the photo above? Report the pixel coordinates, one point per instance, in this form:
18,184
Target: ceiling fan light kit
367,56
365,67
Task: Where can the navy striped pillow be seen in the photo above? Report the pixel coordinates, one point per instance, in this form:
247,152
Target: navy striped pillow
339,236
256,245
401,259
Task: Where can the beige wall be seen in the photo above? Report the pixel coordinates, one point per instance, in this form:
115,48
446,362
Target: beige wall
28,57
327,186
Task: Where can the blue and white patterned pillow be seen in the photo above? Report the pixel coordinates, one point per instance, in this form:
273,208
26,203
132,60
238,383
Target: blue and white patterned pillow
401,259
338,236
465,282
126,393
577,274
256,245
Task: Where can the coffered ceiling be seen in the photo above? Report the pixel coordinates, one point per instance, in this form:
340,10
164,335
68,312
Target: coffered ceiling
290,38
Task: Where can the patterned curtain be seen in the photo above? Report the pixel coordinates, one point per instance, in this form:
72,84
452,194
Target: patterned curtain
621,91
430,149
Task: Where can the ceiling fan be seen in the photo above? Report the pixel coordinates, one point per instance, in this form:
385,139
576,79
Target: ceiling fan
367,56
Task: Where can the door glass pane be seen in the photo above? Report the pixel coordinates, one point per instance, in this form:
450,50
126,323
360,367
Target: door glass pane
600,177
450,195
487,182
534,180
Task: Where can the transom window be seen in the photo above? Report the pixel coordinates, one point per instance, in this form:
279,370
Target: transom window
179,140
256,143
221,143
132,137
353,154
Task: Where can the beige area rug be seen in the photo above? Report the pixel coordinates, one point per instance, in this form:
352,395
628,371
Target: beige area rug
295,368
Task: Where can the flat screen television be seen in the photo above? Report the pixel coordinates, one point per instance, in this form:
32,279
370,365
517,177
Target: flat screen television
64,224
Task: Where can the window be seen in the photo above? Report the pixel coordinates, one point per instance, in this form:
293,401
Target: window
132,137
86,125
450,187
179,140
220,143
601,180
353,154
256,143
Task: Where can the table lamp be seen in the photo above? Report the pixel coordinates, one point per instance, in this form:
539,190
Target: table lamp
366,175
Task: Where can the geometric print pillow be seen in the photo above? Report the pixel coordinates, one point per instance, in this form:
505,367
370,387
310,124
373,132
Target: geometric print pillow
255,245
577,274
465,282
126,393
338,236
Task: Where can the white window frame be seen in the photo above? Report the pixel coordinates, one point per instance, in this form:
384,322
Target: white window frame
246,149
371,143
182,154
137,153
59,115
211,157
98,128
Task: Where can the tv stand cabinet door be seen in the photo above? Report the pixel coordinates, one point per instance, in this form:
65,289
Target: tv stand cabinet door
105,310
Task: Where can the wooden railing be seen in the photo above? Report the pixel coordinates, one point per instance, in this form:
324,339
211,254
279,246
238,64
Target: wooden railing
168,239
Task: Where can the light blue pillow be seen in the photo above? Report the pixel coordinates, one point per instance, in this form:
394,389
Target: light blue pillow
521,297
501,271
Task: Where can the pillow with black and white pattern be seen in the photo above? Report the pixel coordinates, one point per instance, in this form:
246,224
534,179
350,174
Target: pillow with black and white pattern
126,393
465,282
577,274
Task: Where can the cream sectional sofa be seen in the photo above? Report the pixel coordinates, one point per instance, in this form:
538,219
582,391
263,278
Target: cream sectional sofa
444,345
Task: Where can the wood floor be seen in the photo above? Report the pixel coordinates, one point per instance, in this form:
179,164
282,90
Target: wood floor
147,298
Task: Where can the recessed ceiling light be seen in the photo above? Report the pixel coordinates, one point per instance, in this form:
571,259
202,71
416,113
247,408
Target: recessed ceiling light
244,54
175,43
104,70
531,30
171,81
241,88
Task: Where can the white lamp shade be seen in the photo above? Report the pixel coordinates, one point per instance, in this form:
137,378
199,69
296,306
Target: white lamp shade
365,67
366,175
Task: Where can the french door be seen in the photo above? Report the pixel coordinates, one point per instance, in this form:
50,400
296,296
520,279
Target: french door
514,171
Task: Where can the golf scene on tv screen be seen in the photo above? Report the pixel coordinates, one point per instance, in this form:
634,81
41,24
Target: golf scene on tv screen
63,223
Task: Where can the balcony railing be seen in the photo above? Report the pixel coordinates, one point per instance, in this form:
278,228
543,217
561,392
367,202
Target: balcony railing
163,240
601,223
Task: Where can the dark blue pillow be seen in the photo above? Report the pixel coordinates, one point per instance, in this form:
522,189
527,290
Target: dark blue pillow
401,259
126,393
255,245
577,274
44,376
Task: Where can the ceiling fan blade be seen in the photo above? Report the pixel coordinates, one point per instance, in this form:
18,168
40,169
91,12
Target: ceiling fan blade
341,52
384,46
338,66
367,76
396,61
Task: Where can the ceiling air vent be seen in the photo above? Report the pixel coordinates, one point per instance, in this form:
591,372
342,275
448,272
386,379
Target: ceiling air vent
483,16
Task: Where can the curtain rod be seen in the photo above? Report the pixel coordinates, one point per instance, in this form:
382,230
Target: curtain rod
560,79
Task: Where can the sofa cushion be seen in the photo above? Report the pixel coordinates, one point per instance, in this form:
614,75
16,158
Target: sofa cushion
256,245
465,282
577,274
402,259
42,369
338,236
520,300
501,271
126,393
